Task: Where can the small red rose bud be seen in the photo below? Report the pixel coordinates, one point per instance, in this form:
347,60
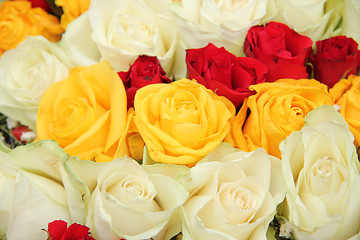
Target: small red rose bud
18,131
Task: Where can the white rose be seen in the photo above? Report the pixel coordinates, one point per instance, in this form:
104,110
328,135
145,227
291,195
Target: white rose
119,31
132,204
310,18
221,22
37,187
234,195
25,73
351,16
321,174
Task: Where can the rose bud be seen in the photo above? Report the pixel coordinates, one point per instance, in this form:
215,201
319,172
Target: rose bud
144,71
335,58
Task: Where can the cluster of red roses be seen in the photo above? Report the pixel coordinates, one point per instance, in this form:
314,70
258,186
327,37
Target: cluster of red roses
272,52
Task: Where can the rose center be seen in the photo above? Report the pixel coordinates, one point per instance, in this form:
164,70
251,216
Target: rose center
239,203
131,32
134,191
326,176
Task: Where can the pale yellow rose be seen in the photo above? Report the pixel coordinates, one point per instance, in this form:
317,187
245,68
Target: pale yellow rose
320,167
351,16
18,20
128,202
26,72
37,186
87,114
317,19
233,195
181,122
118,31
276,110
72,9
346,94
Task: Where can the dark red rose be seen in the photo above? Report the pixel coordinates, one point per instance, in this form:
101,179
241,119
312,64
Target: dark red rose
144,71
223,72
282,49
335,58
58,230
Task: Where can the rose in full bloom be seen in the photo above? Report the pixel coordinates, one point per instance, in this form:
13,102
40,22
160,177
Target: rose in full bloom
346,94
130,203
58,230
144,71
234,195
37,186
317,19
119,31
224,73
25,73
18,20
181,122
72,9
223,23
86,114
276,110
282,49
321,170
335,58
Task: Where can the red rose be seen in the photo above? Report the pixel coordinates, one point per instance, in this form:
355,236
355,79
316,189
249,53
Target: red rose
334,58
40,3
18,131
224,73
144,71
58,230
282,49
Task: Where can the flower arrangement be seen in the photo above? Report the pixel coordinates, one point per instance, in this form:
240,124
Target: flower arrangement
179,119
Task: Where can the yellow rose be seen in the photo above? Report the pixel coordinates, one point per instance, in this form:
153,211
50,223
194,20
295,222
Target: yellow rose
276,110
18,20
72,9
181,122
346,94
87,114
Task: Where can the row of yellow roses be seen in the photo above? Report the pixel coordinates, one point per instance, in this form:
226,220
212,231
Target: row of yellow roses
180,122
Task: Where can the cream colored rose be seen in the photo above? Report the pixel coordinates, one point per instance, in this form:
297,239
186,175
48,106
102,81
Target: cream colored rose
351,16
233,195
120,31
25,73
36,187
132,204
223,23
312,18
320,166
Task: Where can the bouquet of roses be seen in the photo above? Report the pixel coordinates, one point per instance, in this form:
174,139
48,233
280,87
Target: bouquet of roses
183,119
